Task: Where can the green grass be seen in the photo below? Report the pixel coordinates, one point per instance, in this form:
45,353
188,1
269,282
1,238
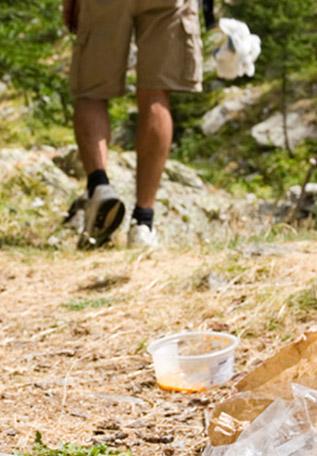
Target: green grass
84,303
40,449
305,300
26,131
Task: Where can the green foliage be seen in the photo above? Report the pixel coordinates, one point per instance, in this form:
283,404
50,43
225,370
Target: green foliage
287,29
35,56
40,449
231,159
188,109
289,40
305,300
29,131
32,56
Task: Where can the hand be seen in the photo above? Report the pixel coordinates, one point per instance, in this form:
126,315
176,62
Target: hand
70,14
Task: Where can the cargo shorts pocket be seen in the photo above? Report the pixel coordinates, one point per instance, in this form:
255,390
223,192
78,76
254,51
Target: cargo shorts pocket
193,61
79,45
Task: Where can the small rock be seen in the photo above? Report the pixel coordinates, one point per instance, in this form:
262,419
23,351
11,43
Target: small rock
81,415
217,282
177,172
68,161
212,282
264,250
53,241
165,439
37,203
199,401
110,425
99,432
218,326
114,438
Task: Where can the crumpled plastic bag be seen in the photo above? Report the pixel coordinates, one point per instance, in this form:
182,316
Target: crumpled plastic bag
274,382
236,57
283,429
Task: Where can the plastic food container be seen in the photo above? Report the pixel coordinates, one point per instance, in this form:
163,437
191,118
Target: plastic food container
193,361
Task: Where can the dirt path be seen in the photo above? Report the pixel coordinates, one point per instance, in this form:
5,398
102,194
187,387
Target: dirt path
74,330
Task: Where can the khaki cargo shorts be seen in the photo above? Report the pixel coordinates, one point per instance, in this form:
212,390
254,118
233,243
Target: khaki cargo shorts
167,35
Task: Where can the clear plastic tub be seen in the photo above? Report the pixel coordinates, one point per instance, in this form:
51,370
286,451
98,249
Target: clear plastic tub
193,361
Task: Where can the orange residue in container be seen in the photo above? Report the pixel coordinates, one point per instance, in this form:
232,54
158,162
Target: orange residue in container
175,382
178,389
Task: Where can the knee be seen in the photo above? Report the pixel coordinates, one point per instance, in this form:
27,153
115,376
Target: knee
153,102
85,107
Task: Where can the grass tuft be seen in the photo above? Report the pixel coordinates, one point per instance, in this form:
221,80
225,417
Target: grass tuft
305,300
81,304
40,449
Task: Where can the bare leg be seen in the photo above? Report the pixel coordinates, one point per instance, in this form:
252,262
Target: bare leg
92,130
154,138
104,211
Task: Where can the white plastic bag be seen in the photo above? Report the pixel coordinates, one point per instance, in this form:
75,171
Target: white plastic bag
237,56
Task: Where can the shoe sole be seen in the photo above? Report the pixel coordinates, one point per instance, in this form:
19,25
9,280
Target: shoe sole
109,217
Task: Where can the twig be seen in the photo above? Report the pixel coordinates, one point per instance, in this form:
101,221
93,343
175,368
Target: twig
206,421
311,169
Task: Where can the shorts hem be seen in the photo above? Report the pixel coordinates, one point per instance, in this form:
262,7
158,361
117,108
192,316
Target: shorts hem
193,88
91,95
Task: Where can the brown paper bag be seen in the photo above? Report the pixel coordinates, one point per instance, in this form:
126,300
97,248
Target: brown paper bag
295,363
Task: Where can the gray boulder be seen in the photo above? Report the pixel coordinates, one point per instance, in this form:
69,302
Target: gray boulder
185,206
36,167
188,211
235,102
301,122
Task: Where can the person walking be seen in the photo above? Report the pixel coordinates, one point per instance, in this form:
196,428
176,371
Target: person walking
167,35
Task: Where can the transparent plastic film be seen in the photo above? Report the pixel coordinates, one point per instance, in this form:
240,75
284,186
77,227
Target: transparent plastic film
284,428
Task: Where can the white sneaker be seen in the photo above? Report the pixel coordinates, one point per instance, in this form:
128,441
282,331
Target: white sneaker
104,213
140,236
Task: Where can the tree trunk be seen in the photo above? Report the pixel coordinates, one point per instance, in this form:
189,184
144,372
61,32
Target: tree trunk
285,106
